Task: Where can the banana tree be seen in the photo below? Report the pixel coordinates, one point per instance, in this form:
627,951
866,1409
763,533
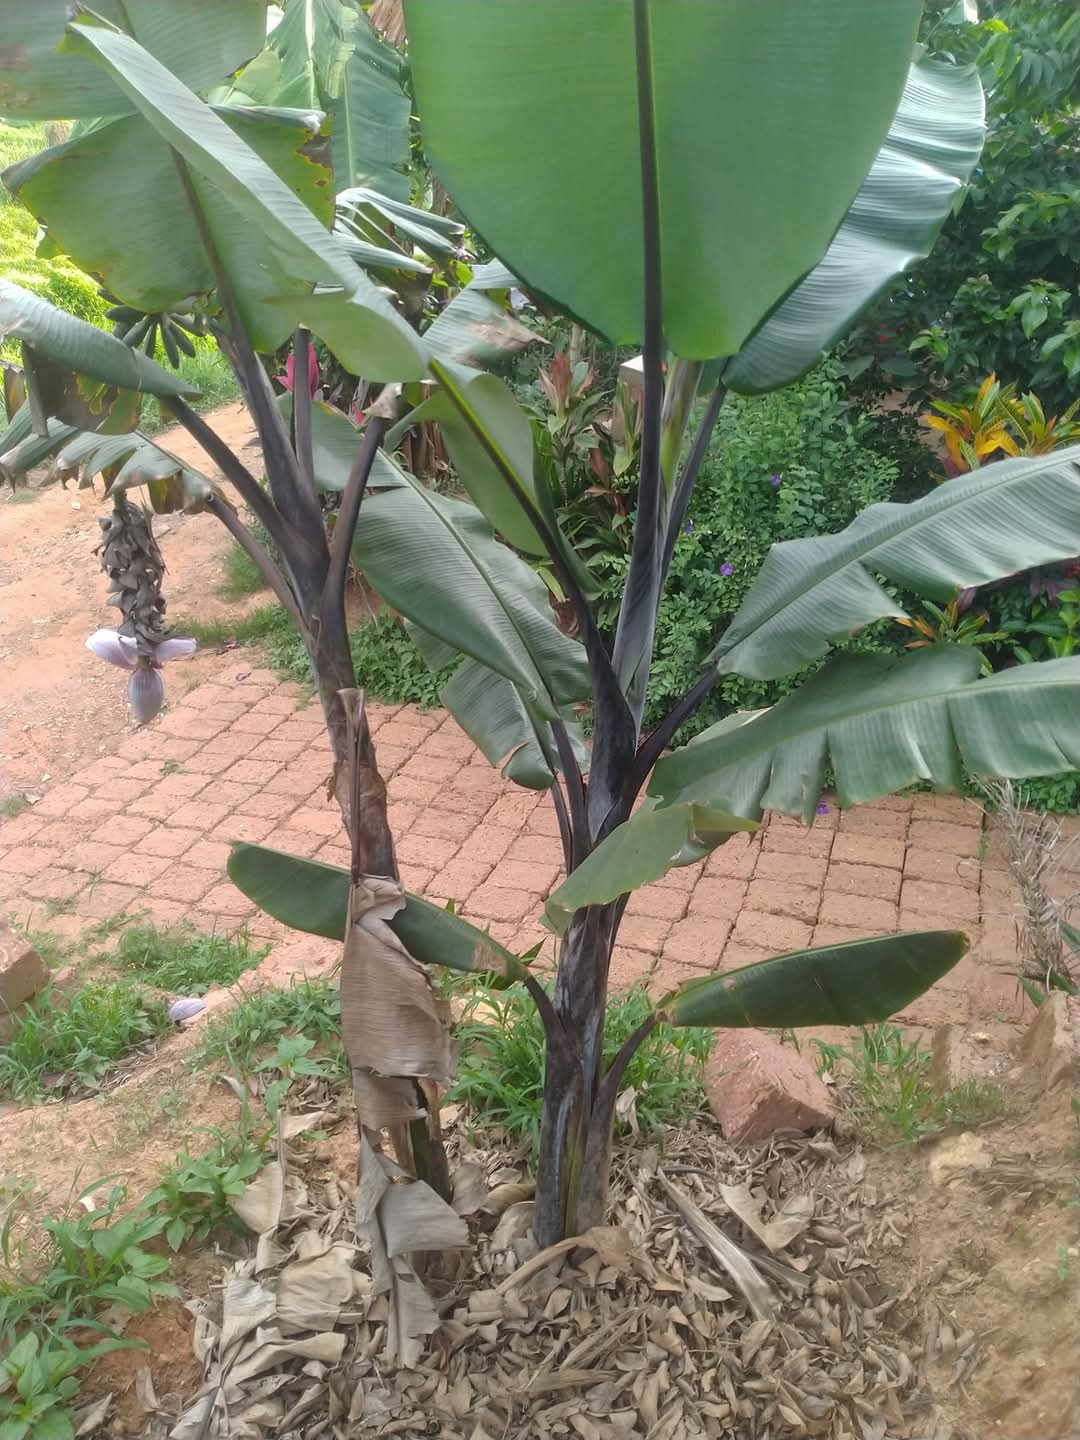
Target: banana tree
619,158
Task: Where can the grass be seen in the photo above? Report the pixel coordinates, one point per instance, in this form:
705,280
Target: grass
251,1030
893,1096
72,1042
208,370
15,803
242,576
183,960
501,1069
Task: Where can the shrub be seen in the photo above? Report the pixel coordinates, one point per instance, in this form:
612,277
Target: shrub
798,462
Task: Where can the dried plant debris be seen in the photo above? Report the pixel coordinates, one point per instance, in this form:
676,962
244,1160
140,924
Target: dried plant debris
647,1329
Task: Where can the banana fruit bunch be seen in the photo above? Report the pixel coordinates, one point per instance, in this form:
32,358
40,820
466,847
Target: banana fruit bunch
139,328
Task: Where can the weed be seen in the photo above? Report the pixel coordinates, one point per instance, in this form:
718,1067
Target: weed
15,803
58,1045
893,1094
172,767
1062,1264
89,1260
63,906
139,1115
194,1194
249,1030
108,926
501,1071
183,960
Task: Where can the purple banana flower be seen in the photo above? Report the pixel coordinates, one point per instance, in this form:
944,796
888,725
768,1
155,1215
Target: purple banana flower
146,689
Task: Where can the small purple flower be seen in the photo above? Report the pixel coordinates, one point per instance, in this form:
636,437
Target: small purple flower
727,569
688,528
776,481
146,690
822,808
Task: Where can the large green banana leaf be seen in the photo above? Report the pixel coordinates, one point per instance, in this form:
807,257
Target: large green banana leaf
230,181
310,896
82,347
852,984
881,723
325,55
969,531
766,119
335,442
492,712
33,450
639,851
929,153
201,41
436,561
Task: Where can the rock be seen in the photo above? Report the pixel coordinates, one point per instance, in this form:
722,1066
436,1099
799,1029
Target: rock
957,1156
756,1086
23,973
1050,1042
956,1056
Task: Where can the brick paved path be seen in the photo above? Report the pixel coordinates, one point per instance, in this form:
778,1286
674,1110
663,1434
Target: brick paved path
245,757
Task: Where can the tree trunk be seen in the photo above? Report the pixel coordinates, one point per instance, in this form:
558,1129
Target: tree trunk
575,1157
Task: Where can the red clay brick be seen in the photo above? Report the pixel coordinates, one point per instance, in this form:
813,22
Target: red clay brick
461,877
271,807
783,898
334,854
280,750
181,787
629,967
682,877
435,768
544,821
790,866
861,912
200,814
495,903
118,788
227,710
722,898
867,849
734,860
952,809
110,899
943,869
29,859
416,792
519,875
106,767
60,799
229,792
797,840
124,830
453,747
64,834
660,904
226,899
955,900
293,842
513,808
697,941
490,842
444,824
403,735
325,822
210,854
775,933
187,725
274,705
539,849
669,975
950,839
426,850
863,820
96,807
924,920
873,880
51,884
91,856
24,827
296,781
184,882
416,878
134,868
168,841
211,761
840,934
253,772
737,954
